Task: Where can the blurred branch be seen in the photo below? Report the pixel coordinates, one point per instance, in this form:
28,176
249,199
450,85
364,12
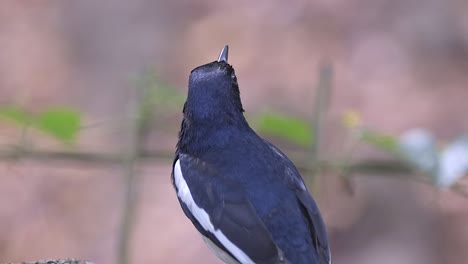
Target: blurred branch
382,168
18,152
143,109
391,168
59,261
323,88
325,73
460,189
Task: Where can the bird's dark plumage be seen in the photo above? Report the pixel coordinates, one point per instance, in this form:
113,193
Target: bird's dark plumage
242,194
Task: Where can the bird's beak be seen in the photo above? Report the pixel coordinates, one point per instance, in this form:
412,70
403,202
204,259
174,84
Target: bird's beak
223,56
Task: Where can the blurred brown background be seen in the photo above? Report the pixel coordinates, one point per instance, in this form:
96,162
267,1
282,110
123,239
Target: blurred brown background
401,64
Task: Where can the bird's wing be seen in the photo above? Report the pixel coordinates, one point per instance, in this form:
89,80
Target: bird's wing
309,208
221,212
316,224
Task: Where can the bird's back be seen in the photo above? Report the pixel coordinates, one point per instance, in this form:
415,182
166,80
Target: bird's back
270,182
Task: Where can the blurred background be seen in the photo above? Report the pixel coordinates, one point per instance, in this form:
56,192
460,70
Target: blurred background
367,97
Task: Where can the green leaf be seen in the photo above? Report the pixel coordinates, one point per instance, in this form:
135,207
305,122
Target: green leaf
290,128
62,123
384,142
159,94
16,114
168,94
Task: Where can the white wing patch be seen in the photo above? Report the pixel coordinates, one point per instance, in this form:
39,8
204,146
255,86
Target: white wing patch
276,150
290,173
183,191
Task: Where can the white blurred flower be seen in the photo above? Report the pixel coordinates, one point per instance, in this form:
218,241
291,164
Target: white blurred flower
419,148
453,163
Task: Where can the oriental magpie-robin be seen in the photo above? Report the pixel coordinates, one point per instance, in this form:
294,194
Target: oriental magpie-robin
243,194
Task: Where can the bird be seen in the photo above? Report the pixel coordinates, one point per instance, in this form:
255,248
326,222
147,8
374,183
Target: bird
243,195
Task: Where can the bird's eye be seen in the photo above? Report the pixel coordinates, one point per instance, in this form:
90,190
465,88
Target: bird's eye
234,79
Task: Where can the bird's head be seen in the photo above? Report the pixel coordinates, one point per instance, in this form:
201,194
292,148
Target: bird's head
213,93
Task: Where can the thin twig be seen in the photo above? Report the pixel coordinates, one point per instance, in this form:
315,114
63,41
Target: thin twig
322,91
393,168
104,159
58,261
139,133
